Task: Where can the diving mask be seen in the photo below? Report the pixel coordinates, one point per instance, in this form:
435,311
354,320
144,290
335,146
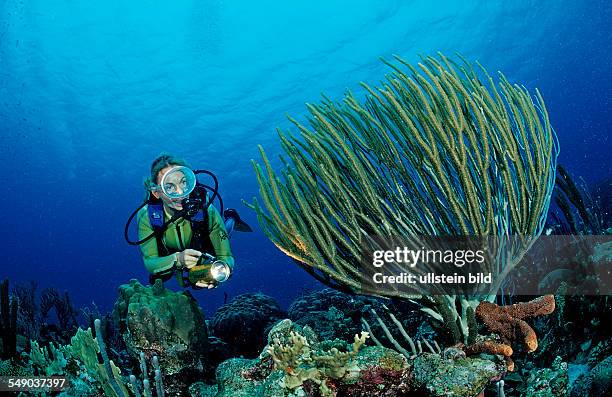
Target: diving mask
178,182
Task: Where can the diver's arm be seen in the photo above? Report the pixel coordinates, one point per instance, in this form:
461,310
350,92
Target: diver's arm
219,237
152,261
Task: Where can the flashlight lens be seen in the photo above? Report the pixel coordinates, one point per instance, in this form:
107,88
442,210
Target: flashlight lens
220,271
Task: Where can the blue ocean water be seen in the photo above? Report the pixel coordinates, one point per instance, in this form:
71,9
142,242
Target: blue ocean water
92,92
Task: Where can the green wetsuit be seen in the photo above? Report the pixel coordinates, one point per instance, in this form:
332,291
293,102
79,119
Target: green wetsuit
177,237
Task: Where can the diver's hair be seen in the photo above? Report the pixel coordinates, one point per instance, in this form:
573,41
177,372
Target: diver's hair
161,162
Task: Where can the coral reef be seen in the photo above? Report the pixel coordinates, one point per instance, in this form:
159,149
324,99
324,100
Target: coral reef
218,351
89,371
598,382
78,362
66,314
86,363
35,313
85,348
437,376
435,152
8,322
415,349
162,323
488,346
110,329
508,321
301,363
48,361
549,382
601,192
579,328
578,332
11,368
146,383
28,315
50,298
336,315
297,363
576,212
244,321
333,314
201,389
599,352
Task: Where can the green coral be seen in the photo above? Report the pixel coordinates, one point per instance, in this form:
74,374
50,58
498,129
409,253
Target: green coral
201,389
597,382
50,360
549,382
442,377
84,347
414,349
300,363
437,150
78,361
10,368
359,373
158,321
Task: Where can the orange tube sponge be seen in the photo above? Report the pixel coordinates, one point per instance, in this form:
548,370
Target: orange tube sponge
508,323
489,346
538,307
492,347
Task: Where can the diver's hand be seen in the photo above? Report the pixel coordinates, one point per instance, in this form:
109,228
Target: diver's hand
188,258
209,285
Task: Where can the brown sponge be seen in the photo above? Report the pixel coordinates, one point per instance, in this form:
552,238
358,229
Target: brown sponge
508,323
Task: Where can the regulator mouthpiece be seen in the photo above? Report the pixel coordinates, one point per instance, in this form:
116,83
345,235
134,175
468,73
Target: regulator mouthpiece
220,271
178,182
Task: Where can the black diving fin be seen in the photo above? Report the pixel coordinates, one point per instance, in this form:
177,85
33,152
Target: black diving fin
233,222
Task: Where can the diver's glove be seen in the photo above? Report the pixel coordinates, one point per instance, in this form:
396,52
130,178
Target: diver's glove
187,259
209,285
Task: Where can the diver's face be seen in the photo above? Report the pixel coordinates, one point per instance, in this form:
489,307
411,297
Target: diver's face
174,184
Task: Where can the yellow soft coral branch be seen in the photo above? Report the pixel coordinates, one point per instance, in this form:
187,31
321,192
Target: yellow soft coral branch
438,149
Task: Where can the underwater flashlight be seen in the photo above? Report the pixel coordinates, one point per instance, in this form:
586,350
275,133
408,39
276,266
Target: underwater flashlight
209,269
220,271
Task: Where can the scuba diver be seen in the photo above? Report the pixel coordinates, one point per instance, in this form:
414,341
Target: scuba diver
179,230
